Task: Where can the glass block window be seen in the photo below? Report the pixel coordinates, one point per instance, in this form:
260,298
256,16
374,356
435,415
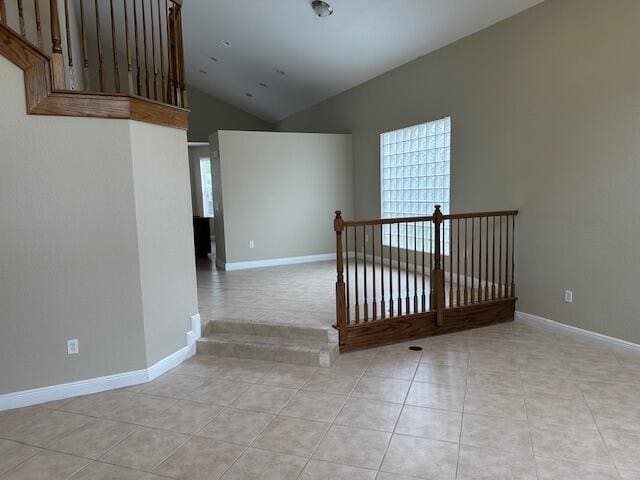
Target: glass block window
415,165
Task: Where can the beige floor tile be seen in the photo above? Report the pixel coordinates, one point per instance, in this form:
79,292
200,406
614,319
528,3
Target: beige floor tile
290,376
482,463
495,381
550,469
144,449
319,470
569,443
402,368
293,436
431,395
457,358
264,398
369,414
546,385
380,388
184,417
345,364
430,423
105,471
218,392
46,429
353,446
326,381
199,366
436,373
622,418
610,394
236,426
257,464
171,385
393,476
323,407
93,438
10,420
504,434
480,402
624,448
200,459
99,404
140,409
559,411
629,475
243,370
421,457
14,453
56,404
47,466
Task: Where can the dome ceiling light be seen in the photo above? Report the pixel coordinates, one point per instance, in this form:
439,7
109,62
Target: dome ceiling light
322,9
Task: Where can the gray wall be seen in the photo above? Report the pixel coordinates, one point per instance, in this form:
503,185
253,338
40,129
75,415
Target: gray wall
281,190
210,114
545,112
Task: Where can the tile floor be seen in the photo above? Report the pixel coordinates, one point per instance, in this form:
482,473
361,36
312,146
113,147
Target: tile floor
503,402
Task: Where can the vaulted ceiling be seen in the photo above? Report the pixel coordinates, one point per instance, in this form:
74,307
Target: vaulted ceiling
273,58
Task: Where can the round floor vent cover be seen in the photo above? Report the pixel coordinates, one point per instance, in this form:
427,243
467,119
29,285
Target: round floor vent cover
415,348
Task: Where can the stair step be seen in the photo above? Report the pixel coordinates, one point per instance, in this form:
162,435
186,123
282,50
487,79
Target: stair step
326,334
271,348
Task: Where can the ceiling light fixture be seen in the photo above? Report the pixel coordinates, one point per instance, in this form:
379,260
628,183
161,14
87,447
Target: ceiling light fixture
322,9
225,43
213,59
202,71
281,72
263,85
248,94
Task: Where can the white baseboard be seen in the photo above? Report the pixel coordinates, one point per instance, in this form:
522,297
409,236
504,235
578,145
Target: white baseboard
274,262
593,338
35,396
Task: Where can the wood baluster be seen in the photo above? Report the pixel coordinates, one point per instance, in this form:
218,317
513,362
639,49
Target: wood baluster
146,55
99,42
374,314
163,92
466,290
3,12
458,261
415,267
451,290
399,275
23,31
506,260
355,261
424,297
406,268
170,49
437,276
391,310
114,47
67,25
493,260
431,254
57,59
346,248
382,302
153,50
135,35
364,263
473,257
183,89
486,272
36,7
85,58
513,256
500,261
130,86
480,259
341,321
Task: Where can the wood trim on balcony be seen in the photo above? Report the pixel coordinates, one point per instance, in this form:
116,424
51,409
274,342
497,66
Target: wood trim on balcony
42,99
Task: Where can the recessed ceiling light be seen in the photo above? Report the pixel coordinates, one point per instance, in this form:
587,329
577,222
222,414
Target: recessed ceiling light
225,43
322,9
214,59
249,94
202,71
263,85
281,72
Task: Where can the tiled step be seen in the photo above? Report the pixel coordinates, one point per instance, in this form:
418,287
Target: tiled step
272,348
326,334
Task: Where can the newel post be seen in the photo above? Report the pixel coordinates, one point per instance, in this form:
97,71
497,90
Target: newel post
437,274
341,308
57,59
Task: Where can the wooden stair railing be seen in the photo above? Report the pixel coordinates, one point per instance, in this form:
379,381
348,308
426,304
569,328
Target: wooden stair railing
145,35
405,278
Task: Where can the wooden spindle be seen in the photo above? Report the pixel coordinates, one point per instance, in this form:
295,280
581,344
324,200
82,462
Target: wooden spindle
513,257
346,248
493,260
153,50
36,8
382,301
391,310
431,254
364,264
506,261
374,314
114,47
183,89
451,290
85,59
355,262
101,73
137,49
23,31
415,268
424,296
479,259
67,26
338,226
406,268
57,59
473,250
146,54
486,269
130,85
3,13
500,261
458,261
437,275
163,92
466,249
170,49
399,274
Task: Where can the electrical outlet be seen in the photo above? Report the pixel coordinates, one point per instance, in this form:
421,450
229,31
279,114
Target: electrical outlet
568,296
73,346
251,244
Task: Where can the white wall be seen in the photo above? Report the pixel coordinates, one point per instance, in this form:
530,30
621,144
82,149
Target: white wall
281,190
95,240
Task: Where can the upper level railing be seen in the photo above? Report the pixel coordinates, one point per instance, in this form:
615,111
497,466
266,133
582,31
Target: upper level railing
130,47
402,278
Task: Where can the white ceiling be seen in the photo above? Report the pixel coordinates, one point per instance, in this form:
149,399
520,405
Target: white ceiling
320,56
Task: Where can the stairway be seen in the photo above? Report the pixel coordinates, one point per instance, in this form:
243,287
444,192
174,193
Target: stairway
314,346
